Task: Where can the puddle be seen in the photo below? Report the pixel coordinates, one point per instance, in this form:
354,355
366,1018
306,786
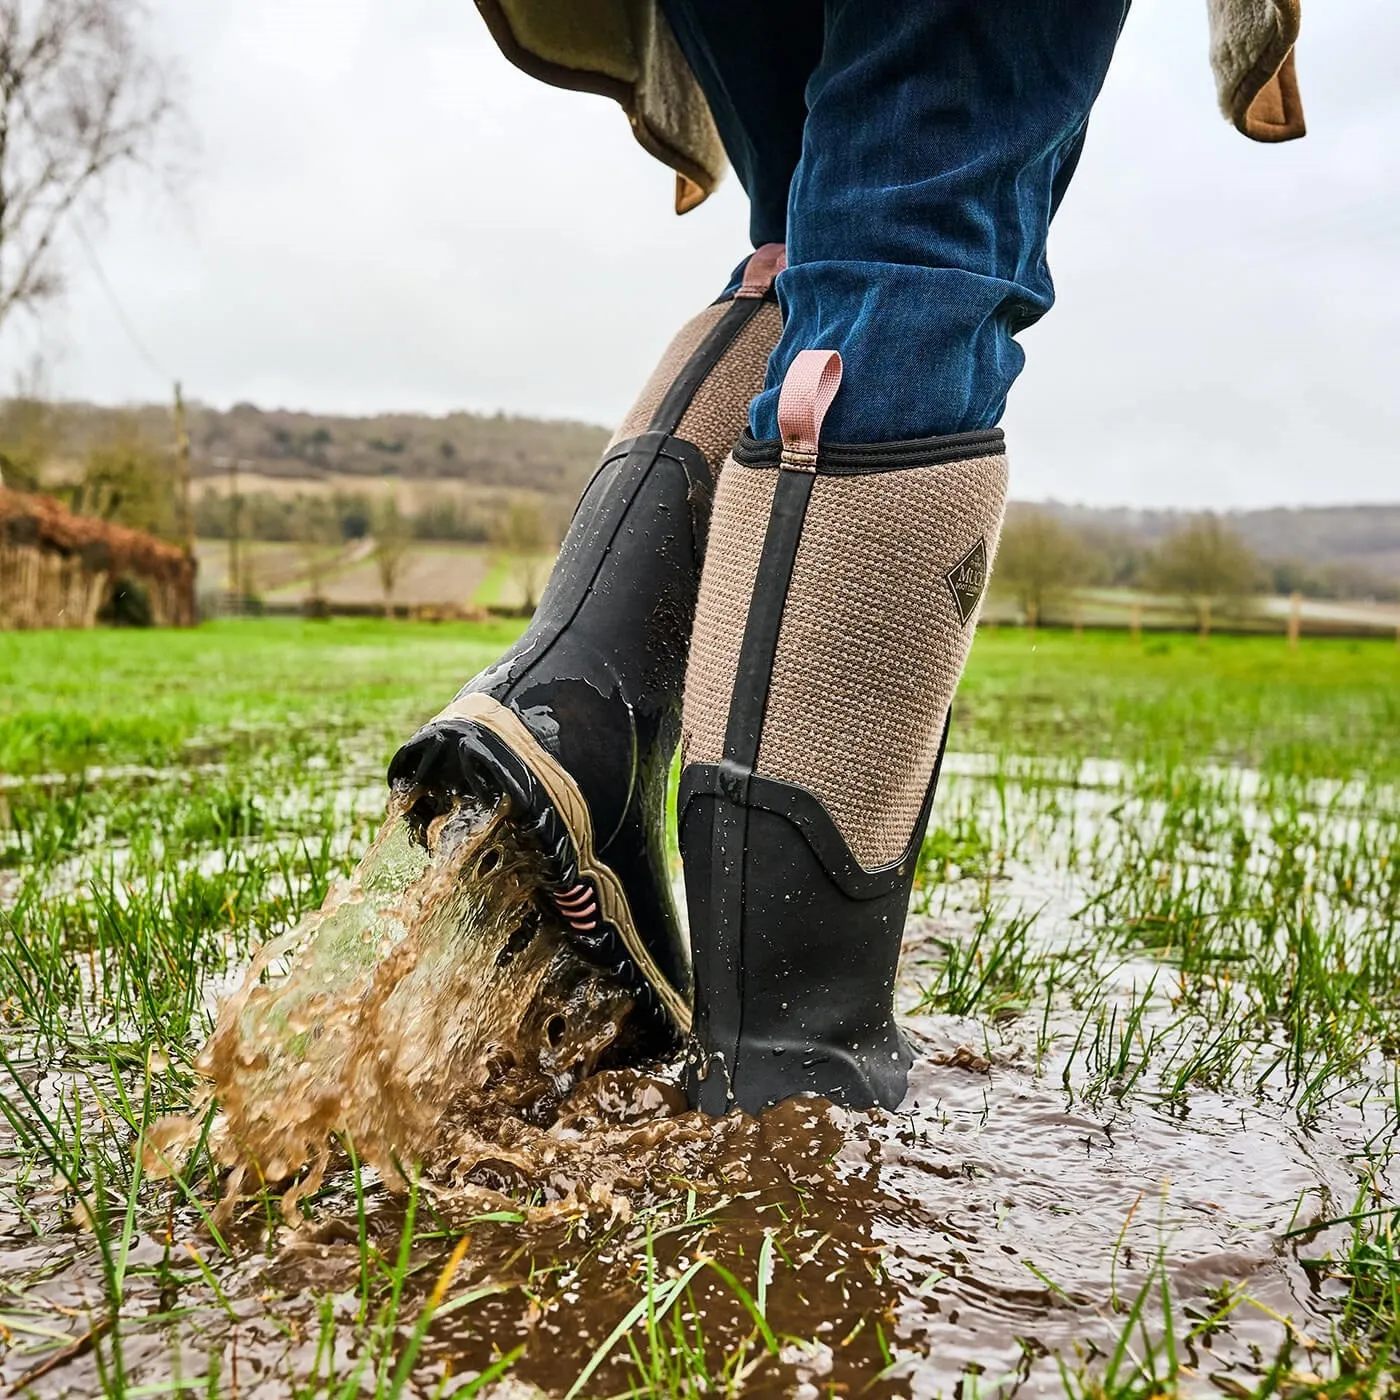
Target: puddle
1000,1231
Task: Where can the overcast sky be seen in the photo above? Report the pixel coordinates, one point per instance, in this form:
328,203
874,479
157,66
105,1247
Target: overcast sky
383,214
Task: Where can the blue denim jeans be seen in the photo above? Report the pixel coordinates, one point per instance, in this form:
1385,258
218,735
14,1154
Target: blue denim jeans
911,153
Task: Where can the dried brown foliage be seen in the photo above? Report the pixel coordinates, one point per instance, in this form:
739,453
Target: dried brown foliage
30,519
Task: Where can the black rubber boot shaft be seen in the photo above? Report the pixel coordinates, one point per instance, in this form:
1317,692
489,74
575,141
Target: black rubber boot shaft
597,676
796,948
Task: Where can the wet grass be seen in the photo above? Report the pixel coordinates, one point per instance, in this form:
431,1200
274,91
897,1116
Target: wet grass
286,691
1214,912
1331,709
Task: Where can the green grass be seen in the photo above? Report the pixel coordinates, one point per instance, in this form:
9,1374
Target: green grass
68,700
1223,920
72,700
1331,709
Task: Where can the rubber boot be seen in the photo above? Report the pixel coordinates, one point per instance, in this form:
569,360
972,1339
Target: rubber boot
835,615
578,722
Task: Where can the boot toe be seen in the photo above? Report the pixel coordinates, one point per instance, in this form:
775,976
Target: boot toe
464,756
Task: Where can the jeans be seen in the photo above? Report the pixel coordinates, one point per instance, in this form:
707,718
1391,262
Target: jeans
911,153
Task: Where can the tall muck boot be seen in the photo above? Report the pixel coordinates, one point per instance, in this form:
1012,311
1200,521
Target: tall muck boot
838,603
577,723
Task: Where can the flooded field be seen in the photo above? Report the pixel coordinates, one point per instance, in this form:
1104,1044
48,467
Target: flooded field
1149,1148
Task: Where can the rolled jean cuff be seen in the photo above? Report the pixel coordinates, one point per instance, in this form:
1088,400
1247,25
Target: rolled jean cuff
927,350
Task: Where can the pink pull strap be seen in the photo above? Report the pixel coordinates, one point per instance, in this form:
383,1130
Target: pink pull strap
808,389
761,269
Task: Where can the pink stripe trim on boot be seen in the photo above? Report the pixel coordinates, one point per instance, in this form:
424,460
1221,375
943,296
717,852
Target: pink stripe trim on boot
579,907
761,270
808,389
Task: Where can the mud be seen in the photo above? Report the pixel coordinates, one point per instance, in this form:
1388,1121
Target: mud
987,1230
997,1234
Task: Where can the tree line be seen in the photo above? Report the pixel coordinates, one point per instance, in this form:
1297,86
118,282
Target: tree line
1043,565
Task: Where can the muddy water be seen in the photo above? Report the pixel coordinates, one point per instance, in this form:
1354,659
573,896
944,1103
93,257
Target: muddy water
433,990
995,1228
985,1230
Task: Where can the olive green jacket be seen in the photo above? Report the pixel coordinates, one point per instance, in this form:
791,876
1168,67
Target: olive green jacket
624,49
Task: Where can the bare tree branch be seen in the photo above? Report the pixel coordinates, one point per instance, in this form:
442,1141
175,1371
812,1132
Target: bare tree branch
81,101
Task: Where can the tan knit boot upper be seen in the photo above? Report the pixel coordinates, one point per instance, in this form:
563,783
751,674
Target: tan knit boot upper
896,544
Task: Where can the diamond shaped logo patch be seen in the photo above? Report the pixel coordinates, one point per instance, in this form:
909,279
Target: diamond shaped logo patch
968,578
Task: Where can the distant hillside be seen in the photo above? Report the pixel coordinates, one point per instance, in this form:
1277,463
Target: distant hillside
433,463
1368,536
533,454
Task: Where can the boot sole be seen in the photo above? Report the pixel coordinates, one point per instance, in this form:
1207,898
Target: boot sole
558,809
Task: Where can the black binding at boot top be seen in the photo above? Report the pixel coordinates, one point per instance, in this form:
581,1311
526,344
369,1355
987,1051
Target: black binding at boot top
866,458
568,678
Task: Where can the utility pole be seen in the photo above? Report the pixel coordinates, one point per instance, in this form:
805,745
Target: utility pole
182,474
235,522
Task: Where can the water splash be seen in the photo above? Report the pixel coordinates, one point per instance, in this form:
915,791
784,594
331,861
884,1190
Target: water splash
435,987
